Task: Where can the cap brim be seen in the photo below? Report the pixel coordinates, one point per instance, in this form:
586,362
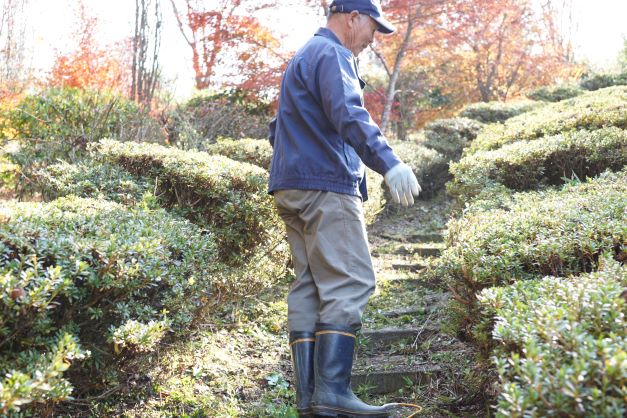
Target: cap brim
384,26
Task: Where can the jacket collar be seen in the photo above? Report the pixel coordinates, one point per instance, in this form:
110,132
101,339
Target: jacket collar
328,33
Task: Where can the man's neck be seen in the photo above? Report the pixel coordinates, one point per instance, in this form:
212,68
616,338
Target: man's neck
334,27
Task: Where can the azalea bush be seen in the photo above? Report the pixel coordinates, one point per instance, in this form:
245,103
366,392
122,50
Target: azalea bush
593,110
596,81
525,165
561,344
376,196
204,118
553,232
226,197
58,124
555,93
248,150
494,112
91,179
429,166
450,136
76,274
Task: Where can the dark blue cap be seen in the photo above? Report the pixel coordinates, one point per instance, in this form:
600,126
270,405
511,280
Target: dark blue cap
371,8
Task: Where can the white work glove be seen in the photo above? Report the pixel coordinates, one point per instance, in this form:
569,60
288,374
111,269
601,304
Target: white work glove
403,184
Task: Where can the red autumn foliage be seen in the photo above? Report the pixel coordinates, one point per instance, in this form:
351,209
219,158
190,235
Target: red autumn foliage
91,65
230,47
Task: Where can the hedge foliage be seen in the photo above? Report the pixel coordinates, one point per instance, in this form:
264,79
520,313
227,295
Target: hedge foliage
525,165
554,232
376,196
562,344
89,179
599,81
450,136
593,110
204,118
58,124
247,150
429,166
74,272
555,93
494,112
227,197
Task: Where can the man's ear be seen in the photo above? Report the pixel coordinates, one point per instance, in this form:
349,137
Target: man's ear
353,18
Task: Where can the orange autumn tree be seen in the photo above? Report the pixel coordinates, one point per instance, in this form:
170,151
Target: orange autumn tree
90,65
230,47
447,53
500,48
418,29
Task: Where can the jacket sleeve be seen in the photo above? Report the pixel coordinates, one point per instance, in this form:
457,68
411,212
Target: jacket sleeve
342,101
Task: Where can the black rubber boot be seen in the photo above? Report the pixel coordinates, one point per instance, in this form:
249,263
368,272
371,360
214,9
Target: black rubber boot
333,364
302,347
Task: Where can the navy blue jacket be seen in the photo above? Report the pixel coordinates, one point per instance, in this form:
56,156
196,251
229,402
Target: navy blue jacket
322,132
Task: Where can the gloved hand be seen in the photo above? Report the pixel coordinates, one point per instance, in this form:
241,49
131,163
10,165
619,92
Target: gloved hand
403,184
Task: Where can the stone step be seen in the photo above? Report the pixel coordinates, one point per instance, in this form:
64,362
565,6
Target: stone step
387,374
430,303
420,309
378,339
414,237
407,249
413,267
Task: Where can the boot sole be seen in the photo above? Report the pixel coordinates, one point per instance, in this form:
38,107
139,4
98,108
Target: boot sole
329,412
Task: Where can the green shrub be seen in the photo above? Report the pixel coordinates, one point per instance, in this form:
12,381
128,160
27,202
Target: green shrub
528,165
562,345
59,123
555,93
554,232
40,375
594,82
90,179
493,112
227,197
78,270
429,166
205,118
376,196
593,110
247,150
450,136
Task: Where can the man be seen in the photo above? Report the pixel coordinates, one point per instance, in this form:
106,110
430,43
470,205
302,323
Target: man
321,137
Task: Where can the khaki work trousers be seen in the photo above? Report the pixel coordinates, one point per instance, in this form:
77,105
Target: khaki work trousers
331,257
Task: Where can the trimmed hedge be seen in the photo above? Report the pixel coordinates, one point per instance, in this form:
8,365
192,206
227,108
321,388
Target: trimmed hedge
204,118
227,197
429,166
450,136
555,232
593,110
528,165
247,150
562,345
594,82
376,196
494,112
103,181
74,272
555,93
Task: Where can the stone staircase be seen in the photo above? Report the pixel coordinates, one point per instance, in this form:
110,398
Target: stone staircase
403,353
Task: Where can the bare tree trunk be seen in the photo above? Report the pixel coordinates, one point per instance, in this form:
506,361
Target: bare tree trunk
145,71
391,90
12,38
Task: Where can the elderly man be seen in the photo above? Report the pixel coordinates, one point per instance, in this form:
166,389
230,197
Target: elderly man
322,136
